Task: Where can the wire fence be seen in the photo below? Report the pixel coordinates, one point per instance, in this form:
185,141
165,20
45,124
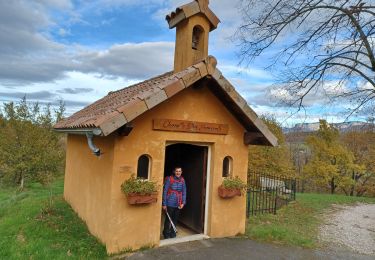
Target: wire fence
267,193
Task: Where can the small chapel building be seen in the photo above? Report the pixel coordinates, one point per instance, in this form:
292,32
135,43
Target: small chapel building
192,117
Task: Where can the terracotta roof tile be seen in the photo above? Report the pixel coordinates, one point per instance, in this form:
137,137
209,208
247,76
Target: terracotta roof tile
94,114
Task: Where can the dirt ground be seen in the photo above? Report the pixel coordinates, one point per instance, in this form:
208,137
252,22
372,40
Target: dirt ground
350,228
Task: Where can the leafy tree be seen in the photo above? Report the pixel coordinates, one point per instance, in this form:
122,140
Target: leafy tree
271,160
29,149
318,42
59,112
331,164
300,156
362,145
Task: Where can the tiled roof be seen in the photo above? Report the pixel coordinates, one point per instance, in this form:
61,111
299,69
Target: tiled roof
122,106
185,11
106,106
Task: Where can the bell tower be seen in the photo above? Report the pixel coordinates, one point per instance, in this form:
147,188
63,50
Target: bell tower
193,23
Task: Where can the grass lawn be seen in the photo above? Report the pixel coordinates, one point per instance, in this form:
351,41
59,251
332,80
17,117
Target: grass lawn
38,224
297,224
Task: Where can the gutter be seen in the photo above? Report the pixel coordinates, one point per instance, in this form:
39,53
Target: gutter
89,133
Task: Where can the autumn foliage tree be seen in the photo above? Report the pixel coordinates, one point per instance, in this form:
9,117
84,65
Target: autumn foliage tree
362,145
272,160
29,149
331,164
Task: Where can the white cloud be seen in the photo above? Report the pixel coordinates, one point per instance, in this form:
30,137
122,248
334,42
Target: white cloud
59,4
137,61
20,28
28,54
63,32
77,89
77,79
365,86
252,72
322,94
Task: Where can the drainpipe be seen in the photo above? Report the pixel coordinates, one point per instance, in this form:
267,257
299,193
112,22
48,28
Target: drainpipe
90,133
92,146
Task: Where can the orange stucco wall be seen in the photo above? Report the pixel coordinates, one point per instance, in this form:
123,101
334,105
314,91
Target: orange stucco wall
136,226
87,184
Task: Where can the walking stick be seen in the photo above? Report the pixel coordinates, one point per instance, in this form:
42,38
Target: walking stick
170,220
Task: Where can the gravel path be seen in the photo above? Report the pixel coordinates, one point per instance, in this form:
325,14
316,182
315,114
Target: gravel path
350,227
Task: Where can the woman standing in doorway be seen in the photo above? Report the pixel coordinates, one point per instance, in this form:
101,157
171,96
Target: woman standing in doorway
174,199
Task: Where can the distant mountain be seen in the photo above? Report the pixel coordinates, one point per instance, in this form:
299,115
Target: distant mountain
342,127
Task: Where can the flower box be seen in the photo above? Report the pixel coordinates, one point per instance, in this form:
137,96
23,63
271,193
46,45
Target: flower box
137,198
231,187
228,193
140,191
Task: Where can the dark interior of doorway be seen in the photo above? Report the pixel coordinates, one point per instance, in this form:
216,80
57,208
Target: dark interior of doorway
193,160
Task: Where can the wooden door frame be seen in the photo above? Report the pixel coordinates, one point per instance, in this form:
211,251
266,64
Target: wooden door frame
208,175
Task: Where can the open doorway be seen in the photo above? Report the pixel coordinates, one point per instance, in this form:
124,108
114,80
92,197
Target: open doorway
193,160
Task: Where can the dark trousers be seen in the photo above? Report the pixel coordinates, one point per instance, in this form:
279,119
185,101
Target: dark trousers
168,231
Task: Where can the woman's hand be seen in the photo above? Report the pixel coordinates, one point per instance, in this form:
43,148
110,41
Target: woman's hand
181,206
164,208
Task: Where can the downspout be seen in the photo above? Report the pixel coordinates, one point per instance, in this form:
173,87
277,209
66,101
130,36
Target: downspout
92,146
90,133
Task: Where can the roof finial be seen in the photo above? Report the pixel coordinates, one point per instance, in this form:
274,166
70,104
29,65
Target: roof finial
203,2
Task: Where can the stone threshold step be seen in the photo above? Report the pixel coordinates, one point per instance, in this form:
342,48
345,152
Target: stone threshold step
171,241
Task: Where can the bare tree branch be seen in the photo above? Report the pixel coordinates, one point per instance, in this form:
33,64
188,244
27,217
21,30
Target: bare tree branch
318,42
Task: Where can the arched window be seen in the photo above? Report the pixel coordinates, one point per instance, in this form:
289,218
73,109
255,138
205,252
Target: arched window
197,39
144,166
227,166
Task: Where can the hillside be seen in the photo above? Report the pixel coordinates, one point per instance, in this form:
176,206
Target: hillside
342,127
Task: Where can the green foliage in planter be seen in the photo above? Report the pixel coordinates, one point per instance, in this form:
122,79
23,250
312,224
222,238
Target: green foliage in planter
233,183
139,185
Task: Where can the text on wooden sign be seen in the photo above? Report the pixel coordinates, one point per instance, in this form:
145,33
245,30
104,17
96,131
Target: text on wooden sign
190,126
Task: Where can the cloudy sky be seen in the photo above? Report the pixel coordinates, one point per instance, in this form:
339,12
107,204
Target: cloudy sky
78,51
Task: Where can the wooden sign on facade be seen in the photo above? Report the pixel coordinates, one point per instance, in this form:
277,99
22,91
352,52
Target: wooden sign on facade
190,126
